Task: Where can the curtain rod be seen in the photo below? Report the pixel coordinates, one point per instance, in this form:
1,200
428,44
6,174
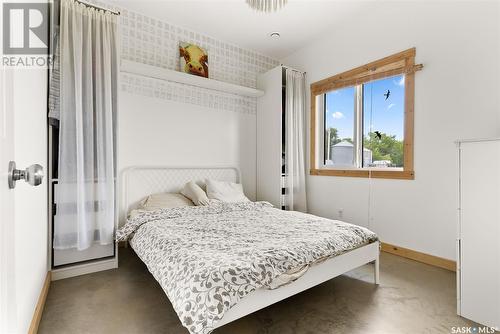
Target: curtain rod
97,7
293,69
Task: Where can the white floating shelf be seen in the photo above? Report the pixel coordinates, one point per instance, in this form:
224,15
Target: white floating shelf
188,79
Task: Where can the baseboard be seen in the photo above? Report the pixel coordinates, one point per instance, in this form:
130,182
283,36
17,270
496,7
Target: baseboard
37,315
83,269
420,257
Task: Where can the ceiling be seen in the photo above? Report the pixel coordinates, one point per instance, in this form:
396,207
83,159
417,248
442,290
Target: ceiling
299,22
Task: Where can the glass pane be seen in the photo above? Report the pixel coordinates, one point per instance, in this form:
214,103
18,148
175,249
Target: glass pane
383,122
339,127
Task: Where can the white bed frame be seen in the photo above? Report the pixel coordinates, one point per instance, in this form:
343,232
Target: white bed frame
141,181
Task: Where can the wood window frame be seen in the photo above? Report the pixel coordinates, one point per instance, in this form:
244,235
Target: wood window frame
396,64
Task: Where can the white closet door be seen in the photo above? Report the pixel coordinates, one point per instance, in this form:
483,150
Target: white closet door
480,232
269,108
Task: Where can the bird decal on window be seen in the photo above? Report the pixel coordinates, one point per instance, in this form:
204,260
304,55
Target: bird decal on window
378,134
387,94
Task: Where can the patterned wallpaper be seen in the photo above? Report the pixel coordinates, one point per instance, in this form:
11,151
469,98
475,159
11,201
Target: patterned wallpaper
154,42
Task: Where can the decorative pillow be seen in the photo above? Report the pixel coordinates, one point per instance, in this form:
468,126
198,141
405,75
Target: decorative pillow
225,191
194,192
161,201
165,201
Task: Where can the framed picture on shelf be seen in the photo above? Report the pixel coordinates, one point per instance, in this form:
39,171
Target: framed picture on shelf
193,59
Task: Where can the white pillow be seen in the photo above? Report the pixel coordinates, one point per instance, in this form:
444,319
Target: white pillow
225,191
194,192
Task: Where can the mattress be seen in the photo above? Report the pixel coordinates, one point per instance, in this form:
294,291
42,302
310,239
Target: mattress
208,258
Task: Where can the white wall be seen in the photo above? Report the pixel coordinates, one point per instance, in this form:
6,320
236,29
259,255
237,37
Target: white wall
457,96
166,123
153,131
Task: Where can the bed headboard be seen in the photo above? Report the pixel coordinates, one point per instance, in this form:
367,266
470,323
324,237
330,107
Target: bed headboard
141,181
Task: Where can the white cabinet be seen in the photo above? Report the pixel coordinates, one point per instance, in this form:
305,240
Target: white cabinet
270,132
478,273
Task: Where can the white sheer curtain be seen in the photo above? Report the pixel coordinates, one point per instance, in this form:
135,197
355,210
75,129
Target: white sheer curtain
295,108
85,193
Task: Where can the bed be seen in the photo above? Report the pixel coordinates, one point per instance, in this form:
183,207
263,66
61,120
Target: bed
222,262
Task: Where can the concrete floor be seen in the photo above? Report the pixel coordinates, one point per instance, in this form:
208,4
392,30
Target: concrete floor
412,298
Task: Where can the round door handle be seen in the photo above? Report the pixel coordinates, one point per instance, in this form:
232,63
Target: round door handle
33,175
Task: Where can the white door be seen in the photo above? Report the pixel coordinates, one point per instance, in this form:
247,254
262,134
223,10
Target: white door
23,210
7,280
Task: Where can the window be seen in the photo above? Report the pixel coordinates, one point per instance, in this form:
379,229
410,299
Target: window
381,109
383,122
339,123
363,120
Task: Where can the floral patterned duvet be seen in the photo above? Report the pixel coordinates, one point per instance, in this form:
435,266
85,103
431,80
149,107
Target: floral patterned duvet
207,258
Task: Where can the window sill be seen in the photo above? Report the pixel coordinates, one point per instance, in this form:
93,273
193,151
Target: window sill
376,174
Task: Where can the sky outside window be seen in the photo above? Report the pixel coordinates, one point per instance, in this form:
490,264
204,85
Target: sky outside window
339,113
382,114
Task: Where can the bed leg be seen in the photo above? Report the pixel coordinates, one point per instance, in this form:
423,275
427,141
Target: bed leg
376,270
